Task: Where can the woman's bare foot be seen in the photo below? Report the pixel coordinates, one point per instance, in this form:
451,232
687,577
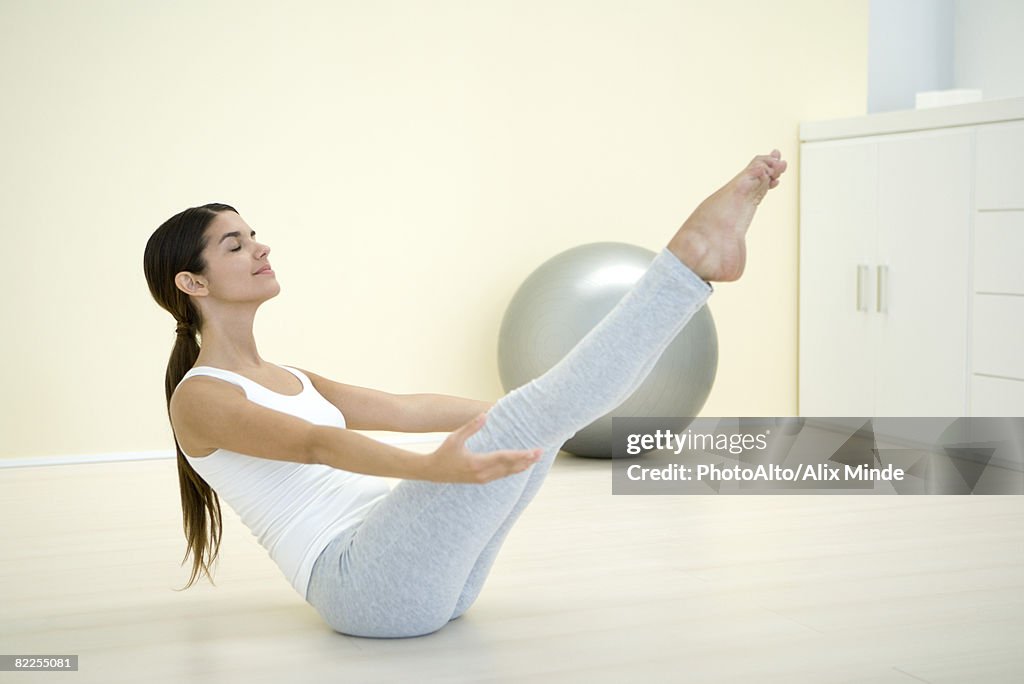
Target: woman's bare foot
712,241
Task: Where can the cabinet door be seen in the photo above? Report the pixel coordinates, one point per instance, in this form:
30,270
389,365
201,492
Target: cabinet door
924,216
837,234
997,317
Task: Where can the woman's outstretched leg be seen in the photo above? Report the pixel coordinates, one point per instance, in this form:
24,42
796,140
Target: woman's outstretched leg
404,569
718,213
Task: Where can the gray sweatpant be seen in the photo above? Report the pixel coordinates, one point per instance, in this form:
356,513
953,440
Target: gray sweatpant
421,555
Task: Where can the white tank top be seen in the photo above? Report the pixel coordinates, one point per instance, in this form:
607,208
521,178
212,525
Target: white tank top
293,509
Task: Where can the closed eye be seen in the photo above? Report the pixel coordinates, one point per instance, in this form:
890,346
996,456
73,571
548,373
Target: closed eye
238,236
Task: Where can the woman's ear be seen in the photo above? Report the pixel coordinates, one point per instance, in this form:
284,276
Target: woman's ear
190,284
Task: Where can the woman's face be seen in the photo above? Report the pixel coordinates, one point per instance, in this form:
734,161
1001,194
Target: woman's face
237,269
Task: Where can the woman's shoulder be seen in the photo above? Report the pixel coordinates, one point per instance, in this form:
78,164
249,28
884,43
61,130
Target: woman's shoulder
195,391
200,380
192,392
194,400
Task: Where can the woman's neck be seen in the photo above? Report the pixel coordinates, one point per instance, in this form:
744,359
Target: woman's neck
229,343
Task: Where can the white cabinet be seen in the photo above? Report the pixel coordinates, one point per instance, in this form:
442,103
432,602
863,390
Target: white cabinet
997,322
912,264
883,275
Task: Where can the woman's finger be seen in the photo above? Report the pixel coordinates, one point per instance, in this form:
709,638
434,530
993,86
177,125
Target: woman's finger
501,464
467,430
520,459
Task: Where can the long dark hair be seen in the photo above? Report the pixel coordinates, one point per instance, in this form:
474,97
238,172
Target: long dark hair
176,246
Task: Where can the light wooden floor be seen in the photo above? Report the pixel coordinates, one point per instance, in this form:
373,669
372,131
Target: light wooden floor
589,588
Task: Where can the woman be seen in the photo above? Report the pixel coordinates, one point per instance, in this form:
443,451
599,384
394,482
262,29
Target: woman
270,439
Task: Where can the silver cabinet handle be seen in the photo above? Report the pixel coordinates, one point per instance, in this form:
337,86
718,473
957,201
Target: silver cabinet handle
862,280
882,303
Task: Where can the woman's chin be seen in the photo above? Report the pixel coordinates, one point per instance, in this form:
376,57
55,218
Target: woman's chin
273,292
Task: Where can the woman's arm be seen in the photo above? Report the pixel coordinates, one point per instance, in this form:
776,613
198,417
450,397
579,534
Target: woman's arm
370,409
438,412
450,462
209,414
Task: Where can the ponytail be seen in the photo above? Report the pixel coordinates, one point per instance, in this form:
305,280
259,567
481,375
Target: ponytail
200,506
176,246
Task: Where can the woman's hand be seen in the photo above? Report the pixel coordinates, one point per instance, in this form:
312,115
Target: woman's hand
452,462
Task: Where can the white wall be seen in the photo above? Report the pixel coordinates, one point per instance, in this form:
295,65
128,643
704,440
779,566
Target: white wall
409,162
989,47
921,45
910,50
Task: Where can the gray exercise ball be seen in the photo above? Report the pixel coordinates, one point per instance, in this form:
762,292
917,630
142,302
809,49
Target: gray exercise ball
564,299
